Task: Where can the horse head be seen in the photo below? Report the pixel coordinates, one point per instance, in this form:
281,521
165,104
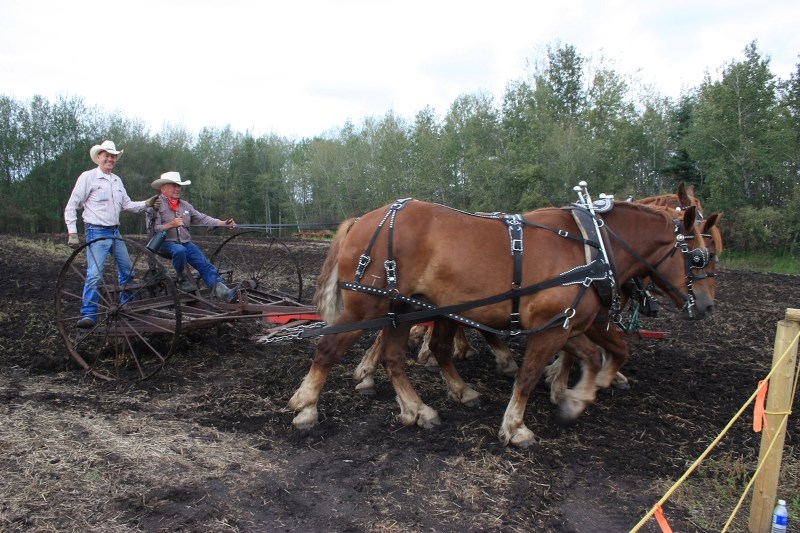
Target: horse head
678,254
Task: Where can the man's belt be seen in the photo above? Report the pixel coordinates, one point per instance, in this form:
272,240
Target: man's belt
104,227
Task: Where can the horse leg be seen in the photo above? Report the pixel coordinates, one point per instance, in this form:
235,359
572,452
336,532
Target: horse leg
538,350
418,338
616,355
364,373
425,355
462,349
574,401
412,409
557,375
441,344
329,351
503,357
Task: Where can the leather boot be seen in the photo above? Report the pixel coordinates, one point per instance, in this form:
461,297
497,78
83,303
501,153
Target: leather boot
184,283
221,293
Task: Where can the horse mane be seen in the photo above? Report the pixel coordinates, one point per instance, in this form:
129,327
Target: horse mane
327,297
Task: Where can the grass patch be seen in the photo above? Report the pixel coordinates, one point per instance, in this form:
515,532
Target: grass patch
761,262
711,493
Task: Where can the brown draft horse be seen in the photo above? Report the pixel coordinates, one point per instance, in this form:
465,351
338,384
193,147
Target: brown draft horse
445,257
601,351
557,373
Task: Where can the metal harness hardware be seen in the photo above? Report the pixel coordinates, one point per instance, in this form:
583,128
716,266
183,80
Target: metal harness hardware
364,259
514,223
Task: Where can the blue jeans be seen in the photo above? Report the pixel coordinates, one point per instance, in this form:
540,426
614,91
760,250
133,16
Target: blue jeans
96,254
188,252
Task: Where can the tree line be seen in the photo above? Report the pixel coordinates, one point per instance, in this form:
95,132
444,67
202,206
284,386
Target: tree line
735,138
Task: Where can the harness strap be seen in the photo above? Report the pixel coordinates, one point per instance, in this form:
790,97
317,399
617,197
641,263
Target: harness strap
514,223
364,260
642,260
583,274
562,233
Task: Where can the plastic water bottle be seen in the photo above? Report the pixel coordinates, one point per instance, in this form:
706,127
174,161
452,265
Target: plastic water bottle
780,518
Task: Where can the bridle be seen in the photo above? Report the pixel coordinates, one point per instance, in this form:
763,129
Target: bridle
693,259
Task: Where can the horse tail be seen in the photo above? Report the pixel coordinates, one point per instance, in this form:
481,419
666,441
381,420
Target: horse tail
328,297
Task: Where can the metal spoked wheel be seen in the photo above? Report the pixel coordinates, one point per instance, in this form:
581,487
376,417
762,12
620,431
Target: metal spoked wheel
138,319
264,263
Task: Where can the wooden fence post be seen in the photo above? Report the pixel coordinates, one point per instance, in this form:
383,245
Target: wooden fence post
779,397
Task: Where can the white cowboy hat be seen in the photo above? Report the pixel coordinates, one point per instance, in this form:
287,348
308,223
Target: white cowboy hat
169,177
107,146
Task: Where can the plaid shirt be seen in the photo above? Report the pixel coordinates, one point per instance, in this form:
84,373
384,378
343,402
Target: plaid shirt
102,198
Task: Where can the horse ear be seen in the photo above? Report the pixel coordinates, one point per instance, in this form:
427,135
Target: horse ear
712,221
689,217
683,195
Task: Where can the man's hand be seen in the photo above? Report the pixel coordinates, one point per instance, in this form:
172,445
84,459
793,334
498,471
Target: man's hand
154,202
230,223
74,241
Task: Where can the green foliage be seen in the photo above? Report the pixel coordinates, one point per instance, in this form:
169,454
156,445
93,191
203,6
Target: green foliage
573,117
738,137
758,229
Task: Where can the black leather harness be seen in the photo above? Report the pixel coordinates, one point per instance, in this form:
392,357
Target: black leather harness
593,272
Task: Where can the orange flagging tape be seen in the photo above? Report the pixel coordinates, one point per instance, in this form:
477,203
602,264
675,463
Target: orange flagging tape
662,521
758,406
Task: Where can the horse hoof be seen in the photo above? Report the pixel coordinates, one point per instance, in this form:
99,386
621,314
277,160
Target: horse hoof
569,410
366,387
432,365
508,372
527,443
471,398
365,391
565,420
620,382
472,403
306,419
429,423
428,418
519,436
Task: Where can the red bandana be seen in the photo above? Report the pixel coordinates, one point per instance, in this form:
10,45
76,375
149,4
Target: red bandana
173,203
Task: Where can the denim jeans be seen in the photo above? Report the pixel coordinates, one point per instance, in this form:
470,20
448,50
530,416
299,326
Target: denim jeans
96,254
188,252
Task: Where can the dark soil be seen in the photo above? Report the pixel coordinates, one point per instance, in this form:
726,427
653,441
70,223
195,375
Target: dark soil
207,444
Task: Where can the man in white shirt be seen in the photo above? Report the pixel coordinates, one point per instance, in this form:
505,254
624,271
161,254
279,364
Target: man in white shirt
102,196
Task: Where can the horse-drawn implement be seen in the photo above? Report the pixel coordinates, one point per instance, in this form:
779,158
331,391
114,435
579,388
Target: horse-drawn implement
140,320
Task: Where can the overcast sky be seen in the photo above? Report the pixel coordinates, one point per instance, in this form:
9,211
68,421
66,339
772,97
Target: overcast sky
298,68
